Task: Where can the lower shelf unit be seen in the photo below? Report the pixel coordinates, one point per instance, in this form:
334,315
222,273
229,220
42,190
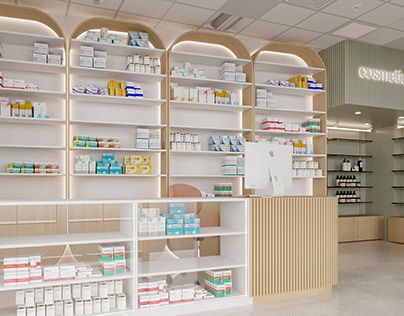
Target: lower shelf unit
76,229
360,228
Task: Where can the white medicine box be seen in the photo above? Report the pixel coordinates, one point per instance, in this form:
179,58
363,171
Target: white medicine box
41,48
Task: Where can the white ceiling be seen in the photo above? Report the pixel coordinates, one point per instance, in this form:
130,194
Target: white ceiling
378,22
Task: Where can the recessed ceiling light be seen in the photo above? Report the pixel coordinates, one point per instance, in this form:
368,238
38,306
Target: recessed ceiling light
401,117
358,113
367,124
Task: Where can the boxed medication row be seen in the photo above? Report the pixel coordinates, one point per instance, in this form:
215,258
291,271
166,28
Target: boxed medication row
43,54
33,168
22,108
226,143
223,189
229,72
276,124
310,173
16,83
233,166
264,99
104,36
143,64
139,39
184,142
96,141
187,70
148,138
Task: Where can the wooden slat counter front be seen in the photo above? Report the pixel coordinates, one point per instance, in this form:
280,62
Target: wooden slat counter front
293,245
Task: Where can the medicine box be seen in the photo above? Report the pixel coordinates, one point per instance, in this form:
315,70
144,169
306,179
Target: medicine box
41,48
86,61
40,58
142,143
100,63
87,51
108,268
241,77
142,133
55,59
228,67
176,208
100,54
105,252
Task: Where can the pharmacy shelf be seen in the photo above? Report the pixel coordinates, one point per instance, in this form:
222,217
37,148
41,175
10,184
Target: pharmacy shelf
208,106
31,175
288,111
28,39
205,232
209,82
121,74
33,147
122,149
343,171
186,265
17,287
290,90
350,155
119,175
308,155
60,240
114,49
83,122
350,140
398,155
206,153
107,99
397,203
398,138
204,59
345,188
350,203
22,65
288,69
204,176
30,120
34,93
210,129
307,134
398,186
397,170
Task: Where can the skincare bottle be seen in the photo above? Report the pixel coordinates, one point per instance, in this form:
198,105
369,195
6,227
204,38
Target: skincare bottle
337,181
360,164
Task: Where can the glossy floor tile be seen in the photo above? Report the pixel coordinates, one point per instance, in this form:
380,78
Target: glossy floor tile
371,283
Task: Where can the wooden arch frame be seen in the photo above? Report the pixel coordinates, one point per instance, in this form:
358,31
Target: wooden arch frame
120,26
33,14
230,42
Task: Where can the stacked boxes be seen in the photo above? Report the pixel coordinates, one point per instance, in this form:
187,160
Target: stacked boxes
139,39
312,125
137,165
157,293
22,270
94,142
219,283
226,143
306,168
229,72
16,83
91,58
303,147
204,95
180,223
148,138
114,88
69,300
103,36
45,55
306,82
186,70
184,142
112,259
275,124
33,168
133,90
143,64
108,165
150,223
264,99
224,189
233,166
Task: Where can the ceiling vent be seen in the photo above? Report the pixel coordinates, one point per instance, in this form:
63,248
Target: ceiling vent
311,4
225,21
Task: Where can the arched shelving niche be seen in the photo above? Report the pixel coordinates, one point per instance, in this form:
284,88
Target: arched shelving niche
91,115
35,131
282,61
195,112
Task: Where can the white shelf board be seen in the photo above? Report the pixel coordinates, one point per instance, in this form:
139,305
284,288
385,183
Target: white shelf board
119,175
204,59
122,74
208,106
288,111
32,147
185,265
286,68
28,92
309,155
309,178
30,120
60,240
290,90
205,232
29,39
113,49
204,176
52,175
83,122
17,287
115,100
210,129
119,149
268,132
22,65
206,153
209,82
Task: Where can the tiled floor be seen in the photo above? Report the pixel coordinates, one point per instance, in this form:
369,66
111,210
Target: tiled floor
371,283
